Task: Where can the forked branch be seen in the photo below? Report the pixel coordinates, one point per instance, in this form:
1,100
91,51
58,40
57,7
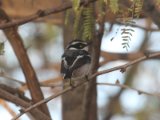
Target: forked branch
121,68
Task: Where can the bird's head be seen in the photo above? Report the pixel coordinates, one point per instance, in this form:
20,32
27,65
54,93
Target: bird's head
78,45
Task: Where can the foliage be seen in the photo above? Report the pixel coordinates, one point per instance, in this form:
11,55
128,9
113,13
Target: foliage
138,4
158,2
113,5
76,26
128,15
66,20
126,34
76,5
84,21
88,23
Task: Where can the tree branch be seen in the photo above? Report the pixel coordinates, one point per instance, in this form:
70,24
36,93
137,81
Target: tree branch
29,73
110,56
14,91
7,107
2,74
152,11
42,13
137,26
121,68
37,114
90,95
117,84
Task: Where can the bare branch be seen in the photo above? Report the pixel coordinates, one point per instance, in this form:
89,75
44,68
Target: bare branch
151,55
41,102
128,87
2,74
152,11
137,26
37,114
20,51
110,56
7,107
89,102
14,91
125,66
41,13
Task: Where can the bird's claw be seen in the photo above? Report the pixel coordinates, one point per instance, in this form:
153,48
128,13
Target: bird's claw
71,83
86,77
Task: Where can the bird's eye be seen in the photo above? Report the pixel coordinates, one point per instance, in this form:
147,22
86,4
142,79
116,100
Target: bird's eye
80,46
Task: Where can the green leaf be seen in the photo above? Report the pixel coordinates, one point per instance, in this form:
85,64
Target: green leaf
77,23
114,6
76,5
88,23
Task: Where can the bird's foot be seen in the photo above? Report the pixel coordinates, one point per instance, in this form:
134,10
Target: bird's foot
71,83
86,77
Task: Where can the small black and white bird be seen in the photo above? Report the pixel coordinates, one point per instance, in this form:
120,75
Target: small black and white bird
75,60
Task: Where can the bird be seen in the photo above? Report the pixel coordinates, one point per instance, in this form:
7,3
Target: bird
76,60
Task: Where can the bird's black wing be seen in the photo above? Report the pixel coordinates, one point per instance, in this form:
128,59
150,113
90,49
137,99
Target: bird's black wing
67,60
72,60
80,60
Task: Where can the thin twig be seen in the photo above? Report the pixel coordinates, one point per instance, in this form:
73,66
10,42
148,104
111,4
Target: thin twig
2,74
41,102
7,107
44,83
128,87
36,113
149,56
51,85
137,26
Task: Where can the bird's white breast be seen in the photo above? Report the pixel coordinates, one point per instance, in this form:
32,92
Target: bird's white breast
83,70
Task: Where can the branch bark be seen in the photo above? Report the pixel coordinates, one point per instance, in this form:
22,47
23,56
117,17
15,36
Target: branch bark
120,67
29,73
152,11
42,13
37,114
90,98
131,88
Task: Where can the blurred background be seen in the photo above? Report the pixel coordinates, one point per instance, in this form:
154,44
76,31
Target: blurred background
44,41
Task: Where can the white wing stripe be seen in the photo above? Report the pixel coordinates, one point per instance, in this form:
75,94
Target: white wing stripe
80,56
65,62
